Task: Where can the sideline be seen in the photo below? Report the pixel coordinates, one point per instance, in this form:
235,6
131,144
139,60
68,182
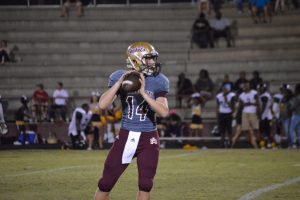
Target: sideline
256,193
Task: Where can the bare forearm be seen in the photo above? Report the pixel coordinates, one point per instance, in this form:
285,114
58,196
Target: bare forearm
109,96
161,108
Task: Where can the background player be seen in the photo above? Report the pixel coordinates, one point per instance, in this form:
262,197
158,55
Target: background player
138,136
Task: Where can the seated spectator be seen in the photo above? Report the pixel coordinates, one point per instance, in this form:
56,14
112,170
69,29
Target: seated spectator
173,125
238,85
260,6
227,81
40,100
4,52
72,3
184,89
256,80
204,85
21,116
221,28
201,32
78,126
60,98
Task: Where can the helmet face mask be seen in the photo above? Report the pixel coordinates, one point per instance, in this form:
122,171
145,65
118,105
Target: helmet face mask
142,57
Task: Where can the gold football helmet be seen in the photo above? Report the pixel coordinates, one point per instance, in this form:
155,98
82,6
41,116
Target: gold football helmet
142,57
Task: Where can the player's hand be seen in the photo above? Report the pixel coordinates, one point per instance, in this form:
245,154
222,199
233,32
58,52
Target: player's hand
142,81
123,76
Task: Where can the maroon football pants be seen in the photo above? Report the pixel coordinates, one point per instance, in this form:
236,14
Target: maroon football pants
147,154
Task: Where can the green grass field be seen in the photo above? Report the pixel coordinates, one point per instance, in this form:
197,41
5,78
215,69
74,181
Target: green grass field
182,175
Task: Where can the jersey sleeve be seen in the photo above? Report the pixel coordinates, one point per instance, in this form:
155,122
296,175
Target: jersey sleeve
114,77
164,86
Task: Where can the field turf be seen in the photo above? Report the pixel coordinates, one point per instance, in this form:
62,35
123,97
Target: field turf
182,175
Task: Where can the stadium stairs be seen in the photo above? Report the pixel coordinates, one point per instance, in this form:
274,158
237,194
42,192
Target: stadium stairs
82,52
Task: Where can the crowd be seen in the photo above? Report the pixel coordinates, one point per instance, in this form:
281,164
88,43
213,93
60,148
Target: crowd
243,106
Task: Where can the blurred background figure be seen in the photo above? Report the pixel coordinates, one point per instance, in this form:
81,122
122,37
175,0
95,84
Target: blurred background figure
72,3
22,116
184,89
40,101
295,120
60,99
196,103
4,52
3,126
97,123
78,126
225,109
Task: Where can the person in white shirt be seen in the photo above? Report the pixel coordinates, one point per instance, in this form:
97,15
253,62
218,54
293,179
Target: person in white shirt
60,98
265,101
248,101
221,28
78,126
225,108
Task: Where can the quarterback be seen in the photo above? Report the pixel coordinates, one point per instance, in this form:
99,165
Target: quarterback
138,135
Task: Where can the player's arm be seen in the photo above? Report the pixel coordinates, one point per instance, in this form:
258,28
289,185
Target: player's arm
108,97
159,105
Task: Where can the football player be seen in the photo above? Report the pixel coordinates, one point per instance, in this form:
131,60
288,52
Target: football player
138,136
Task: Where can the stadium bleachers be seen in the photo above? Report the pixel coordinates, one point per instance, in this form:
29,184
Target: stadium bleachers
82,52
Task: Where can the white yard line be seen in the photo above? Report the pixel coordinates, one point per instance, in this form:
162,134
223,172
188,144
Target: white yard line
49,170
254,194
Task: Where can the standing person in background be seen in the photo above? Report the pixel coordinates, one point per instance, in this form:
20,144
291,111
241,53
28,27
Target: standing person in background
295,120
248,100
60,98
238,85
3,126
72,3
40,100
277,115
138,136
196,103
97,122
225,109
265,102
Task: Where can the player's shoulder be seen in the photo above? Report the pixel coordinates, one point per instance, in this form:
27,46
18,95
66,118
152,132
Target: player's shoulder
161,78
117,74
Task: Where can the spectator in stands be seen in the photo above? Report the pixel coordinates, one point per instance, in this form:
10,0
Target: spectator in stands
216,5
40,100
60,98
227,81
97,122
238,85
248,100
202,33
72,3
279,6
204,85
21,116
256,80
4,52
240,6
295,120
221,28
173,126
79,126
184,89
260,6
225,109
295,4
196,126
265,102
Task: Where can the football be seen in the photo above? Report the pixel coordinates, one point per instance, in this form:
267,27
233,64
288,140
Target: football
131,82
